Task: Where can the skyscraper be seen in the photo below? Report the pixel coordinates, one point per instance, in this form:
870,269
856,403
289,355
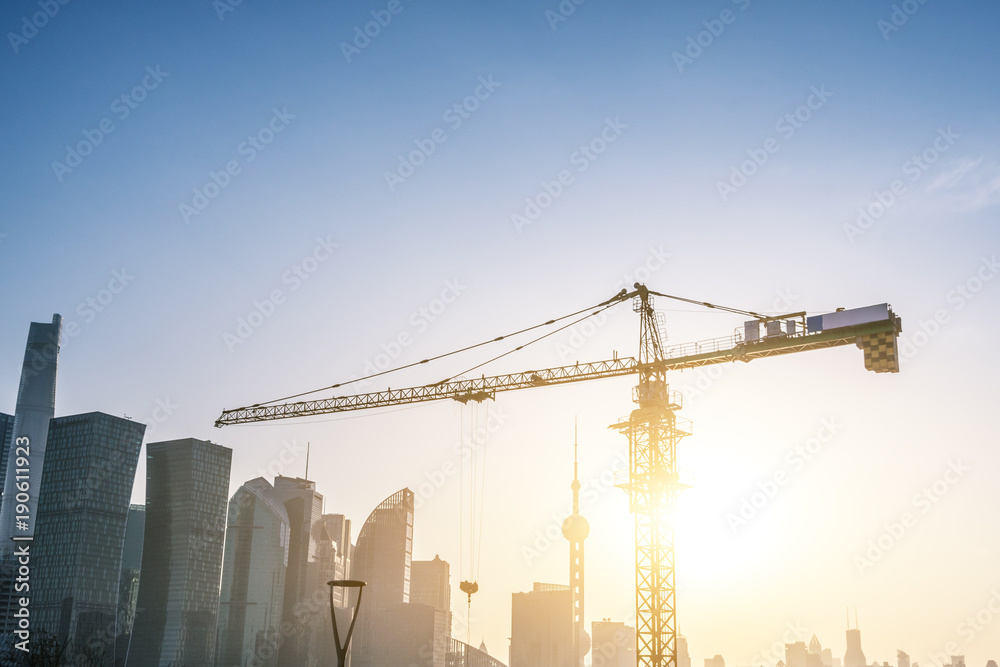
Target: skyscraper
430,585
541,627
683,656
902,659
304,594
187,484
335,551
82,511
36,401
817,656
253,577
382,559
795,654
854,656
128,584
6,436
614,645
410,636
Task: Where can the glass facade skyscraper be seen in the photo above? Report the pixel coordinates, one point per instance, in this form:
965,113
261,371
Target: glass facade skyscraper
253,577
6,435
304,607
36,401
382,558
80,531
187,489
128,584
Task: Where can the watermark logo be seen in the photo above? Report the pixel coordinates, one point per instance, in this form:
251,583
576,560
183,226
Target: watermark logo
786,126
923,501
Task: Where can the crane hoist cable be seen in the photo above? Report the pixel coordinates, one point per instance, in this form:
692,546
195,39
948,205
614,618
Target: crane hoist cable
521,347
617,298
600,308
706,304
476,495
607,303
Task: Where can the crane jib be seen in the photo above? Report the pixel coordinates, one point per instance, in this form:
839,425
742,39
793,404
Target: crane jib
877,339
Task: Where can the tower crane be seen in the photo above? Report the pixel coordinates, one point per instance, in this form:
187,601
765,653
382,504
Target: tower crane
653,428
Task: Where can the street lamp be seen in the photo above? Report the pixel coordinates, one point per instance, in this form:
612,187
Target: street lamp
342,650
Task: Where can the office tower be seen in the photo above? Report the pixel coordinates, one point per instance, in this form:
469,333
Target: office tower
382,559
854,656
36,401
305,605
6,436
613,644
334,553
717,661
541,627
413,635
128,583
683,656
83,505
902,659
253,577
430,584
576,529
795,654
187,484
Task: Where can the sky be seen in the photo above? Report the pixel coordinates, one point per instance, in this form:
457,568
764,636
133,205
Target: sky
230,202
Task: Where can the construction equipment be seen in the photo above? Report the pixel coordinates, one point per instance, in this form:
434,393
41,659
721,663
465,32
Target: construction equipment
653,428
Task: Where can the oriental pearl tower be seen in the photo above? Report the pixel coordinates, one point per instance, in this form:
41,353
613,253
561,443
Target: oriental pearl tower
576,529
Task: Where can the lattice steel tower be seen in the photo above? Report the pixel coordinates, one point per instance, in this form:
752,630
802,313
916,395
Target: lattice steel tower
653,430
576,529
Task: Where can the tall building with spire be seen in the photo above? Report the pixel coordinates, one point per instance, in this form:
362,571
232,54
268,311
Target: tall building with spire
576,529
303,589
36,404
683,656
817,655
854,657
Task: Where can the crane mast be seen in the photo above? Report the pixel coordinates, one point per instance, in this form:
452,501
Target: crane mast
653,428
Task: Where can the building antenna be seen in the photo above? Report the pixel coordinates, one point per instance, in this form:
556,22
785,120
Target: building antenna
856,626
307,459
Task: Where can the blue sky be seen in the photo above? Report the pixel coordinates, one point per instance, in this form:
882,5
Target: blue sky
330,129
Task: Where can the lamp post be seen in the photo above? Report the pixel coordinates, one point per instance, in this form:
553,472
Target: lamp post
342,650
